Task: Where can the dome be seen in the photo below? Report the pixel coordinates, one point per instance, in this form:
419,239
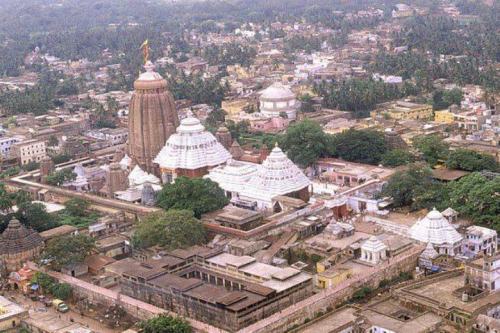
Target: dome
277,176
277,91
435,229
191,147
149,74
18,239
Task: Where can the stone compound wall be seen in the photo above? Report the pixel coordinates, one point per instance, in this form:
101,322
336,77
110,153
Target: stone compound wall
330,298
133,307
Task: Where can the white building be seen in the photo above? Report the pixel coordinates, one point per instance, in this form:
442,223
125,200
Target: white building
484,273
257,186
6,145
480,240
191,152
29,151
435,229
373,251
278,99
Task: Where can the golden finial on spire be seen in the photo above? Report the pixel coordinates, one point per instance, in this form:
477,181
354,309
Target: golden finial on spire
145,50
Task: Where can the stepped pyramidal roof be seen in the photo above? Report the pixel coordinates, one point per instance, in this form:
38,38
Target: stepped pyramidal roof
192,147
17,239
278,175
434,228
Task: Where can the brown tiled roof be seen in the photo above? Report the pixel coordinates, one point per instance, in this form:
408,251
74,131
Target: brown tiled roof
17,239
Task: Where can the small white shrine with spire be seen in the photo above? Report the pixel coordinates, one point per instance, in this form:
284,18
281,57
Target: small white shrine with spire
373,251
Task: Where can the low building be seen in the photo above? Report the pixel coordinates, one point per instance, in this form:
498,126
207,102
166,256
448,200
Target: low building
402,110
444,116
29,151
6,145
62,230
239,218
11,314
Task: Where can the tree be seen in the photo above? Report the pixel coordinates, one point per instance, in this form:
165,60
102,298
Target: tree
199,195
172,229
68,250
470,160
57,178
365,146
34,215
305,142
407,188
61,291
61,158
432,147
77,207
306,103
165,324
396,157
53,141
477,197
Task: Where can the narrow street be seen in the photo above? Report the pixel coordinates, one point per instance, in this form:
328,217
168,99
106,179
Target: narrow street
33,307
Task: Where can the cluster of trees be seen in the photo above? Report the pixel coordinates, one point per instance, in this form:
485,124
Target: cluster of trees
229,54
77,213
59,177
165,324
306,44
67,250
475,195
171,229
443,99
195,87
360,96
52,286
305,142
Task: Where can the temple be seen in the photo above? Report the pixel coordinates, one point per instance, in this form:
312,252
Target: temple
152,118
436,230
190,152
259,186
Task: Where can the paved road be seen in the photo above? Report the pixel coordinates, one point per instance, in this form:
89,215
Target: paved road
31,306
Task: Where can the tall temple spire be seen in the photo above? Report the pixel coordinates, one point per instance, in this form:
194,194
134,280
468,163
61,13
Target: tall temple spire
151,116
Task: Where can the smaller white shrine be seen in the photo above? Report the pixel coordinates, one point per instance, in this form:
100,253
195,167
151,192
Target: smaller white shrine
373,251
278,99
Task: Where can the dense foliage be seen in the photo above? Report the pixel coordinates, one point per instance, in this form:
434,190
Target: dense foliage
365,146
67,250
50,285
200,195
432,148
165,324
171,229
470,160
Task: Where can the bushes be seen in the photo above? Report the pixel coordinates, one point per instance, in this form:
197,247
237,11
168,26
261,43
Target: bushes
52,286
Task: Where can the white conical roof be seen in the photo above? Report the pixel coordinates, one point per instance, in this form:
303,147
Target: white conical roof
373,244
125,162
429,252
435,229
139,177
277,176
191,147
277,91
234,176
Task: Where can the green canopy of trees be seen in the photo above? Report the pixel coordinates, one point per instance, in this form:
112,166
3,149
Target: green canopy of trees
432,147
470,160
172,229
363,146
67,250
199,195
57,178
165,324
443,99
305,142
397,157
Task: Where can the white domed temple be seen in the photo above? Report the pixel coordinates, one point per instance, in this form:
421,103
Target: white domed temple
260,185
191,152
435,229
277,99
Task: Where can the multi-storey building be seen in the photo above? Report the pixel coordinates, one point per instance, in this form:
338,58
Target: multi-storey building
29,151
480,240
484,273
